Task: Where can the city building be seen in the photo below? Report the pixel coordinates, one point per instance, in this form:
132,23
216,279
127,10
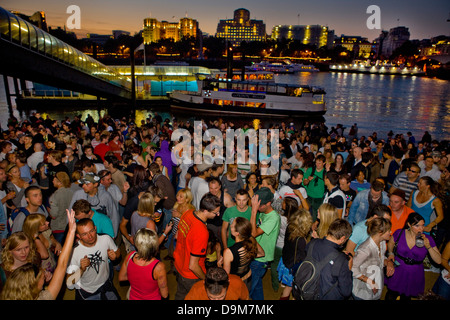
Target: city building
394,39
316,35
99,39
118,33
241,28
152,30
360,46
155,30
189,27
378,43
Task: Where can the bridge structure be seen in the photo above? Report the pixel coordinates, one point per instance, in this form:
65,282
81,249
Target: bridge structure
442,58
28,53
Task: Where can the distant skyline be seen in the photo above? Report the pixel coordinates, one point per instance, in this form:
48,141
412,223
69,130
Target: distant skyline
425,19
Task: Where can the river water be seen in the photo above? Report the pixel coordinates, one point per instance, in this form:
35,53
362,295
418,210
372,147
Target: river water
375,102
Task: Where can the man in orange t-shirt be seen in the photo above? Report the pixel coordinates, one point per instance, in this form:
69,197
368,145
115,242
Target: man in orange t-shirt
400,211
219,285
192,241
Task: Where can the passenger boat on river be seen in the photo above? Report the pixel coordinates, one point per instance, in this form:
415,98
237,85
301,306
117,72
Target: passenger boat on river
263,99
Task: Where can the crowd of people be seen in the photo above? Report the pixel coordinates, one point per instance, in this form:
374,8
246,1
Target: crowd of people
83,200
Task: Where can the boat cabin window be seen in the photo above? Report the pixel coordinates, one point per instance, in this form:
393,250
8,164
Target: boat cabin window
282,90
237,86
222,85
272,88
294,92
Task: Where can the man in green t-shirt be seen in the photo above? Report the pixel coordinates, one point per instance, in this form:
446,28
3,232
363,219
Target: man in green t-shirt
314,182
241,209
265,230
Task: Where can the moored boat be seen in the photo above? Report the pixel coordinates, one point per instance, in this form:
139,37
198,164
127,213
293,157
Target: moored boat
251,98
300,67
275,67
283,66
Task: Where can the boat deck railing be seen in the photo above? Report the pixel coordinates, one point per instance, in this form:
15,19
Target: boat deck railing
263,87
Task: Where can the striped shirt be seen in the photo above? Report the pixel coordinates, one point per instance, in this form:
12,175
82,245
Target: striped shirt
401,182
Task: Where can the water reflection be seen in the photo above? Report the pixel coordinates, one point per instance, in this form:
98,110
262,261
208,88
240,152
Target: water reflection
383,102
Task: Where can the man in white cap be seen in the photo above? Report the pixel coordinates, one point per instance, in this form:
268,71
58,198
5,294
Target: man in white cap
100,200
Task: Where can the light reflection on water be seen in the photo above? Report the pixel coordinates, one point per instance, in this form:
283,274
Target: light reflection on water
383,102
375,102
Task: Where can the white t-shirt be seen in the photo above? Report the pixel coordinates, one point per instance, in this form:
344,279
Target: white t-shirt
287,191
182,178
97,272
199,187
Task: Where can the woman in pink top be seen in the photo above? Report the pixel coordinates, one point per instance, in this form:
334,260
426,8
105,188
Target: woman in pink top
146,275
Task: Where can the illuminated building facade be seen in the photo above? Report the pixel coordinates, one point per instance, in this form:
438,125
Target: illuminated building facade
188,27
360,46
241,28
152,30
316,35
155,30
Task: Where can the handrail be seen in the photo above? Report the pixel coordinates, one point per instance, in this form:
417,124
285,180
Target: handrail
20,32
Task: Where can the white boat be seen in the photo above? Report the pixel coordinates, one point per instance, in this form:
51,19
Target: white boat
275,67
260,99
284,66
300,67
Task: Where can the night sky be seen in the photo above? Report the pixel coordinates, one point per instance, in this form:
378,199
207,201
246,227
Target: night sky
425,19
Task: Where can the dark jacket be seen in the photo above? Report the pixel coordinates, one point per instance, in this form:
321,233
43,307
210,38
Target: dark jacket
166,186
336,271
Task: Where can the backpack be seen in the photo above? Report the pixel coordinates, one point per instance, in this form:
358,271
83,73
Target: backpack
306,283
13,216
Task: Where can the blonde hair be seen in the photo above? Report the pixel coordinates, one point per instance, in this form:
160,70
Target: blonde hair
147,243
12,242
22,284
299,224
188,194
328,213
63,178
76,175
32,224
146,205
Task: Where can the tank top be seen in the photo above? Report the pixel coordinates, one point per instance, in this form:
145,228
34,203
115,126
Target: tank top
138,222
240,265
143,286
424,209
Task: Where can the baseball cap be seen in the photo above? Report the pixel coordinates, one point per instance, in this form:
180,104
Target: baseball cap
89,178
435,154
203,166
264,195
